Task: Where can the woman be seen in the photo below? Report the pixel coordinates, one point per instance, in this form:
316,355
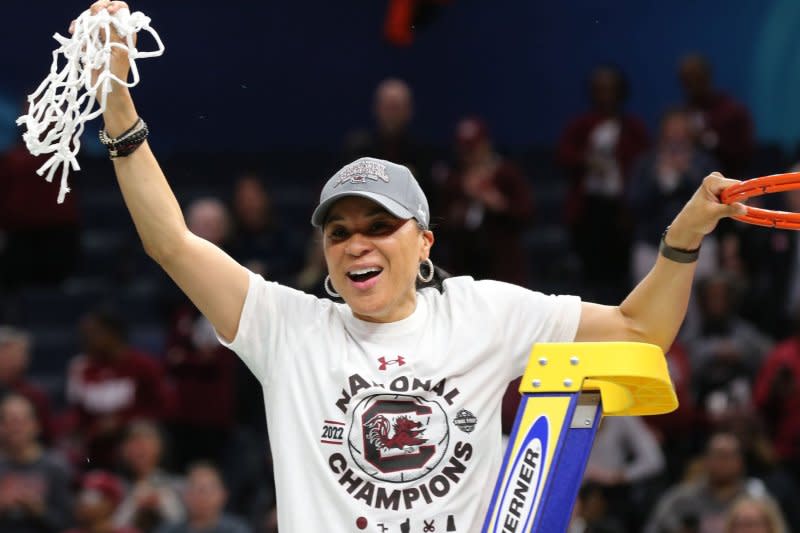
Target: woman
361,396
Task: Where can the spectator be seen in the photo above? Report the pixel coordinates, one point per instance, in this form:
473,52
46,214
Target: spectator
487,204
34,487
109,385
152,499
625,460
755,515
676,431
624,452
41,244
202,372
15,346
205,497
259,242
777,396
703,503
725,350
721,124
391,138
598,149
100,495
209,219
664,180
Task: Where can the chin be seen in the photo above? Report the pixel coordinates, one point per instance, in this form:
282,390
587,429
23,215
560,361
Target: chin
368,307
369,312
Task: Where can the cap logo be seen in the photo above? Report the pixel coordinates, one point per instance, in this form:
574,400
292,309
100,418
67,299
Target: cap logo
361,171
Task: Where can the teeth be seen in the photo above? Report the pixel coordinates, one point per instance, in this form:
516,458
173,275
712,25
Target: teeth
362,271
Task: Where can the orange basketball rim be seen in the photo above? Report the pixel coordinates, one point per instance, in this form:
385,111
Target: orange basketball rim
765,185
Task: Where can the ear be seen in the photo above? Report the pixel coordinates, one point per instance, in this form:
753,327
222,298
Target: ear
427,243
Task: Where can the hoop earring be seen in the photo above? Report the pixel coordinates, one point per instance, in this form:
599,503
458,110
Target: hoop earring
426,278
329,287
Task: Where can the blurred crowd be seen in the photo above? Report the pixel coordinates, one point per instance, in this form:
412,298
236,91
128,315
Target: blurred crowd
171,437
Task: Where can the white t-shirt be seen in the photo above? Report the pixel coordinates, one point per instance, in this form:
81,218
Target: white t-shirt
391,427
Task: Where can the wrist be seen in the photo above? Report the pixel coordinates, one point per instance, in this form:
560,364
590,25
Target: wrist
120,112
676,253
676,236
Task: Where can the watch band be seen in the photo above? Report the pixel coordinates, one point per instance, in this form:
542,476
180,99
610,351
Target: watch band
679,255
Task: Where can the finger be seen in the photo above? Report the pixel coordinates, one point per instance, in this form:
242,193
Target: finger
715,183
99,6
739,208
729,210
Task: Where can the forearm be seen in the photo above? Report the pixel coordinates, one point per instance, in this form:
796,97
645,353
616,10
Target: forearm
657,306
150,201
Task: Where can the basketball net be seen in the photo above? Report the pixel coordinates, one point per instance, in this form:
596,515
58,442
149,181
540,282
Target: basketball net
67,98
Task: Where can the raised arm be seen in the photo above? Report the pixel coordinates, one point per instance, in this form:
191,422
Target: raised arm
654,310
210,278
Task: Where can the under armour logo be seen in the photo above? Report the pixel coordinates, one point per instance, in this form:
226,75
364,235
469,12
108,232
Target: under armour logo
399,361
360,171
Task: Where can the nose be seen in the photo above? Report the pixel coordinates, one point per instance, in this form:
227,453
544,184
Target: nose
358,245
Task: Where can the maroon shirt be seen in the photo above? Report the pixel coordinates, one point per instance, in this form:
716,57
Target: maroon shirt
493,248
777,395
203,380
574,145
726,130
106,396
27,200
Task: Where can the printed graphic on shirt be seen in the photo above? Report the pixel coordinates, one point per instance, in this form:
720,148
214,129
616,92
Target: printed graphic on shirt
465,421
398,438
399,361
400,452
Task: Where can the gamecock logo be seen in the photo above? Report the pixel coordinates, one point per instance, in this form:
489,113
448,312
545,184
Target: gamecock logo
398,438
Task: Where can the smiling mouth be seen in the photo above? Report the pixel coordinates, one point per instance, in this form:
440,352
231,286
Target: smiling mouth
364,274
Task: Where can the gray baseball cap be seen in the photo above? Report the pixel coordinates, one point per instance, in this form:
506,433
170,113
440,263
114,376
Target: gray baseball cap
388,184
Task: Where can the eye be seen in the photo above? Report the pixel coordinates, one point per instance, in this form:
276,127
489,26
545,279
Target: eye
381,227
337,234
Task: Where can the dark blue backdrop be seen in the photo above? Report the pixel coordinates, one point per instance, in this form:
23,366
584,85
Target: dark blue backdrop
256,74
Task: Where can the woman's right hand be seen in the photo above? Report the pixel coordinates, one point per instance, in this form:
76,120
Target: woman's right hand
120,66
120,112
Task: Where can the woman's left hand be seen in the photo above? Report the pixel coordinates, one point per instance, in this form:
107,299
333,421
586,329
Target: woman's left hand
702,212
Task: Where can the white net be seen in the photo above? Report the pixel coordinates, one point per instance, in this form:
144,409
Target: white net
67,98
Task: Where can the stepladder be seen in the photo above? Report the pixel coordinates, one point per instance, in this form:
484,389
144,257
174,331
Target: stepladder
567,389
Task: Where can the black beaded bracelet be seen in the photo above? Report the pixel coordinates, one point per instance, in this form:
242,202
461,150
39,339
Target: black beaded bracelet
128,142
679,255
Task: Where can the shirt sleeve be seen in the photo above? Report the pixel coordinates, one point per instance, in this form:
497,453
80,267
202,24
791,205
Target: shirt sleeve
272,316
524,318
